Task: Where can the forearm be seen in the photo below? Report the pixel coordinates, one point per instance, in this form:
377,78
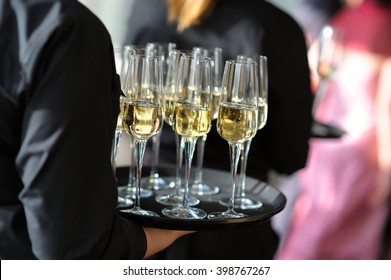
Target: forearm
159,239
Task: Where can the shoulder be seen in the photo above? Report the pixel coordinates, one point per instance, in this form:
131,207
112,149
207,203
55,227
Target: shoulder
280,20
28,26
31,23
261,13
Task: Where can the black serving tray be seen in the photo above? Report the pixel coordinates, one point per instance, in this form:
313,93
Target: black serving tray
273,202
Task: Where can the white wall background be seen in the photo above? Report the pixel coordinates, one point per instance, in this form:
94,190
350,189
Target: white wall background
114,14
286,5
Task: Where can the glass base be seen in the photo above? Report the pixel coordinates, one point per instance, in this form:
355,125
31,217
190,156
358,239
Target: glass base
170,181
124,202
203,189
229,214
186,213
242,203
155,183
126,192
176,200
139,211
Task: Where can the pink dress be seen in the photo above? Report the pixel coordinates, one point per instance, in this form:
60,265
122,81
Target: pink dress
331,218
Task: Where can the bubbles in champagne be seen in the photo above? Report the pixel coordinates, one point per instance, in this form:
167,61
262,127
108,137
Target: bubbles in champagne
192,121
237,123
142,119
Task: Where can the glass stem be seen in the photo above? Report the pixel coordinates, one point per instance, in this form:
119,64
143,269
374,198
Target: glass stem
130,180
320,93
131,188
189,152
140,149
180,144
200,159
114,148
234,150
155,156
245,147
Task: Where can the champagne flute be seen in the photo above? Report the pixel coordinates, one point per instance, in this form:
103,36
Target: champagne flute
216,55
154,181
193,119
329,57
241,200
176,197
142,112
127,193
237,120
121,58
330,54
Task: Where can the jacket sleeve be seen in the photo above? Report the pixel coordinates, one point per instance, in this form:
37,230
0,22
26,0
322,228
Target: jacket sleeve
70,193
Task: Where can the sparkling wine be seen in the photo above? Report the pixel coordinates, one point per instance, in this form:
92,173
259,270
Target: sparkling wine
236,122
262,113
119,118
119,122
168,109
216,96
325,69
192,121
142,119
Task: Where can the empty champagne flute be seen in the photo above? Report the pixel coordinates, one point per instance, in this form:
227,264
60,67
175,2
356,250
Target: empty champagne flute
216,57
193,119
329,57
330,54
142,112
237,120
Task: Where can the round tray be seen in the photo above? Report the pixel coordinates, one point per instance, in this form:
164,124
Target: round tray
272,199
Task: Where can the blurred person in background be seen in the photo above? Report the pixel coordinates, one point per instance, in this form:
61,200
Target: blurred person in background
250,27
341,210
313,14
58,83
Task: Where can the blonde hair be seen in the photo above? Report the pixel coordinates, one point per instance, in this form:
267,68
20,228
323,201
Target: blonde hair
188,13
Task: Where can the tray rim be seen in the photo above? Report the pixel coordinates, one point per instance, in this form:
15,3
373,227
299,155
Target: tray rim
260,215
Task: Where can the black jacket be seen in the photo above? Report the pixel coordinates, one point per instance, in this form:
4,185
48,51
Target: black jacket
59,98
